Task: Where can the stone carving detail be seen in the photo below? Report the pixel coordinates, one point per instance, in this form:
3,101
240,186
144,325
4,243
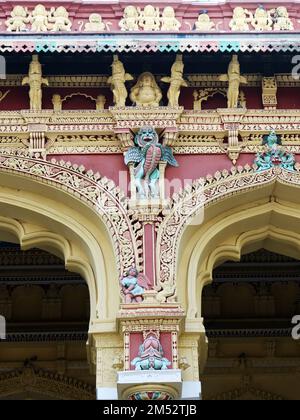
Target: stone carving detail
274,155
262,20
40,19
60,19
187,204
18,20
269,92
134,285
234,79
150,396
282,22
146,92
151,354
35,81
48,383
130,20
146,156
176,82
97,192
241,19
169,21
204,23
117,81
149,19
95,24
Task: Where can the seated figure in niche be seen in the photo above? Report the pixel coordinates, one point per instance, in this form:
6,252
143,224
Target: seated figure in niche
146,92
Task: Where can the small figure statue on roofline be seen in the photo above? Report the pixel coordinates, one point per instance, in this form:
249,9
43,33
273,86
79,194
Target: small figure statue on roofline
134,285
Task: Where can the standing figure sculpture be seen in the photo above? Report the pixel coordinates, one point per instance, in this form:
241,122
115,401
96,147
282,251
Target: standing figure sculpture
117,81
234,79
176,82
133,286
35,81
146,156
169,20
149,19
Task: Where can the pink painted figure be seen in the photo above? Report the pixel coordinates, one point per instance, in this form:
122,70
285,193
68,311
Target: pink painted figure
134,285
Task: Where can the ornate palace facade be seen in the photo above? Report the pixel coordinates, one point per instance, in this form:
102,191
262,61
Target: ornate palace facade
149,199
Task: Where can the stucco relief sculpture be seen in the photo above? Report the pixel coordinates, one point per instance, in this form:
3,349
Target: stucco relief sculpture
234,79
95,24
60,20
204,23
39,19
130,20
176,82
282,21
18,20
262,20
117,81
146,156
151,354
100,102
146,92
149,18
169,20
134,285
240,20
274,155
35,81
57,103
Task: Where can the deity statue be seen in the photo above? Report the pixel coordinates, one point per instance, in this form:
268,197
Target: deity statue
240,20
39,19
204,24
146,156
95,23
133,286
151,354
100,102
130,21
35,81
149,19
274,155
262,20
176,82
282,20
169,21
117,81
146,92
234,79
60,19
18,20
57,103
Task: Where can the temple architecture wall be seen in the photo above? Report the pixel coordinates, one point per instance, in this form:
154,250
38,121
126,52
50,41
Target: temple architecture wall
145,147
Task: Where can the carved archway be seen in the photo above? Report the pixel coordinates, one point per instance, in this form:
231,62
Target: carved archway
79,216
34,383
242,210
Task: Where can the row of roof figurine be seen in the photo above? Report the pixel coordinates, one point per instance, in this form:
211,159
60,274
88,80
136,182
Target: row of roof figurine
149,19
